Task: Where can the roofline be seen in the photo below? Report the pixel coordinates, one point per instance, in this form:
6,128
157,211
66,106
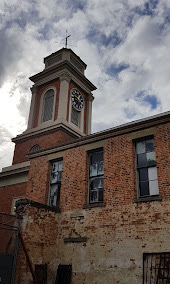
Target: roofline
129,127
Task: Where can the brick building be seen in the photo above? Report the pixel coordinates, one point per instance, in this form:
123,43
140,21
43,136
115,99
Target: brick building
91,208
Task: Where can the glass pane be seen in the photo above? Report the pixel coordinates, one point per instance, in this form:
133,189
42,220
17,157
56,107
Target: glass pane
54,177
144,188
60,165
99,156
140,147
141,160
93,196
93,170
53,195
100,195
150,145
143,174
100,182
54,167
59,174
153,187
100,168
152,172
96,162
94,158
151,158
94,184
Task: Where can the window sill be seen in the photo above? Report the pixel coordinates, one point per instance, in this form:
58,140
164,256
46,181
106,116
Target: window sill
54,209
94,205
147,199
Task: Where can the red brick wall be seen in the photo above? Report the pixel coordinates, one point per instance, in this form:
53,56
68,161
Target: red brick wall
119,172
45,141
7,193
41,90
162,149
38,180
117,234
74,183
39,237
71,86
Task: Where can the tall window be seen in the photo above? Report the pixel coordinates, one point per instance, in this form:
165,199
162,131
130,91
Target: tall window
146,167
55,183
48,105
96,174
75,116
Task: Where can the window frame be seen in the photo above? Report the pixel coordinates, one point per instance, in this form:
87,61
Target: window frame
89,202
144,197
41,109
58,183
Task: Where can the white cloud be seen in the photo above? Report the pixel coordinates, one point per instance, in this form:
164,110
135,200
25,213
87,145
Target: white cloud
107,34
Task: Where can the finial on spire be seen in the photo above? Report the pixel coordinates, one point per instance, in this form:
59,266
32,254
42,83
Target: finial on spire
66,39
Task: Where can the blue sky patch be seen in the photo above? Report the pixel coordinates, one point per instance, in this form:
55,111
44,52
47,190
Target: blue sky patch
152,100
148,9
112,40
114,70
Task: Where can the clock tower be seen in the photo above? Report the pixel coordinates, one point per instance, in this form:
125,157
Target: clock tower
61,105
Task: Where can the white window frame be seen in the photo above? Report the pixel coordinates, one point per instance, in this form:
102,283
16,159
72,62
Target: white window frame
58,183
97,176
144,167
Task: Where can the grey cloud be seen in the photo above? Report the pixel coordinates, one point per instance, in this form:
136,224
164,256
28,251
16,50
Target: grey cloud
5,135
10,52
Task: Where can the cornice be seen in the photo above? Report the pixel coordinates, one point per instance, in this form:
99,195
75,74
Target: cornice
65,76
109,133
54,72
15,169
34,132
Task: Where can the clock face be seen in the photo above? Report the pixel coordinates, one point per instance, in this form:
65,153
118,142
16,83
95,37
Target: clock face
77,99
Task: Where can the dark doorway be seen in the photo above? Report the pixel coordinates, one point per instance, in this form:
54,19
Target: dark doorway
9,229
63,274
41,273
156,268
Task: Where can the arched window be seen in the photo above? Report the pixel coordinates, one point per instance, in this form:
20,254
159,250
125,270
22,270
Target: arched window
35,148
48,105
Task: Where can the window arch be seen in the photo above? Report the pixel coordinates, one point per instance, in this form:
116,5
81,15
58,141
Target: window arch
48,105
35,148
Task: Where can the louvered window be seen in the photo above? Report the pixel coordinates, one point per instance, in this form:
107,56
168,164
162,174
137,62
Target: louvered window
48,105
75,116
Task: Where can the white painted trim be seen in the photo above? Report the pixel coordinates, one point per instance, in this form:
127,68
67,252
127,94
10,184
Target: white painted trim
32,107
41,108
89,116
16,167
63,99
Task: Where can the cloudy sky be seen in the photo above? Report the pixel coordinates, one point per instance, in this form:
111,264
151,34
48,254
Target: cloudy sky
125,43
